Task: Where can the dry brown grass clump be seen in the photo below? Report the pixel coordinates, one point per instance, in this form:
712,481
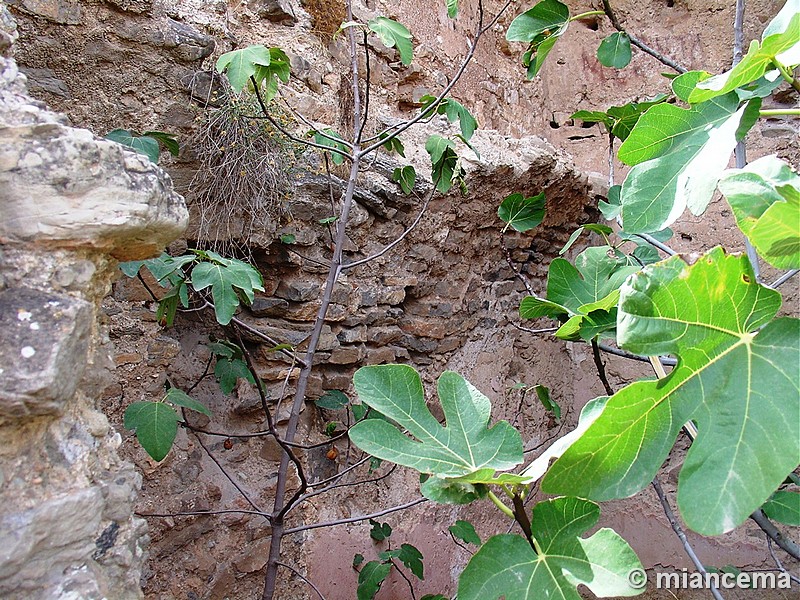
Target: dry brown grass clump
328,16
244,178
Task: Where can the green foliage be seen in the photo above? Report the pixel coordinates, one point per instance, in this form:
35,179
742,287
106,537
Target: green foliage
156,423
333,400
409,556
264,65
147,143
730,380
394,34
393,144
765,199
338,149
784,507
619,120
521,213
406,177
231,281
615,51
371,577
465,531
780,46
560,560
452,8
678,155
455,111
379,531
444,163
230,366
585,294
550,405
540,27
463,456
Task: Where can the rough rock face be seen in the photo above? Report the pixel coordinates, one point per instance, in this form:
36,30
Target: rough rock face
68,202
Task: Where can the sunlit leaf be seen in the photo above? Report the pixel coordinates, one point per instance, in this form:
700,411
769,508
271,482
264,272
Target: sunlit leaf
452,8
736,378
540,27
679,155
765,199
783,46
506,566
241,64
394,34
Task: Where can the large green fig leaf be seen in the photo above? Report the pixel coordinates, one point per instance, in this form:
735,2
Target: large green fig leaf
765,198
464,446
679,155
780,43
736,378
506,565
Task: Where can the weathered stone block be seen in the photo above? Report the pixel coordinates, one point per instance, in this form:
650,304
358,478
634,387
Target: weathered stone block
62,187
297,291
269,307
352,335
63,12
430,328
44,341
277,11
346,355
37,546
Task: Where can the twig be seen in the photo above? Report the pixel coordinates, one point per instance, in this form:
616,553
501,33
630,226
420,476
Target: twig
518,273
304,578
639,43
664,360
223,470
404,576
778,563
676,527
374,515
394,243
202,513
783,278
601,368
789,546
535,331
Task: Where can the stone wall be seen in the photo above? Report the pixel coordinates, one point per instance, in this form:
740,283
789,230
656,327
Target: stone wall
70,205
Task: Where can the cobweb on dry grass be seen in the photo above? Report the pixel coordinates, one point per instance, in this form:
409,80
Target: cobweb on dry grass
244,176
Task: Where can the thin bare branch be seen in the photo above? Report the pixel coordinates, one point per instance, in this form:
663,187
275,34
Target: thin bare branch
374,515
639,43
787,545
676,527
304,578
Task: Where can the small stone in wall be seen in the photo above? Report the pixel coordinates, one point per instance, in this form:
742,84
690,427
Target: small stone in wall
44,341
134,6
277,11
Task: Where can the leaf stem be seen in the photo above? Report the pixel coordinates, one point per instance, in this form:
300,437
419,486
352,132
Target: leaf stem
501,505
590,13
786,74
779,112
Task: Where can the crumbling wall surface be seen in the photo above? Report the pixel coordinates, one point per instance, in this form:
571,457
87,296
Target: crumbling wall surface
68,204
